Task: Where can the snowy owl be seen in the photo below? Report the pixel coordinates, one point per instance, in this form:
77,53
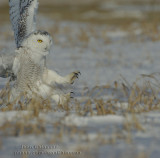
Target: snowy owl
29,63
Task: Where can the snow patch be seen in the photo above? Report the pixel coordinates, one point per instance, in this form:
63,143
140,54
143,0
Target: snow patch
93,120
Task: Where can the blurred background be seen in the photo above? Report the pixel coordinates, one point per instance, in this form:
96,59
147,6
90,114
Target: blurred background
102,38
110,42
121,12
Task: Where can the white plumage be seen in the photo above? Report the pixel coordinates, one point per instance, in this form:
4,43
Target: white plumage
29,63
32,75
29,66
23,18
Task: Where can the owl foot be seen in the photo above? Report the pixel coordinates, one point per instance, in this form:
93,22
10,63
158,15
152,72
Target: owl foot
73,76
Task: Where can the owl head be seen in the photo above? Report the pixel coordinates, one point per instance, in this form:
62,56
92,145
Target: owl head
38,42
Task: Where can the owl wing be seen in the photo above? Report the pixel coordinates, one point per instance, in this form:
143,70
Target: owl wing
19,58
23,18
6,63
16,66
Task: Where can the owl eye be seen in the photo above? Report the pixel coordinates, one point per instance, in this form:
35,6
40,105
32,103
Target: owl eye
39,41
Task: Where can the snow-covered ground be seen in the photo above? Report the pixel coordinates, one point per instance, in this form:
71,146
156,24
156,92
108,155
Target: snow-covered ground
104,54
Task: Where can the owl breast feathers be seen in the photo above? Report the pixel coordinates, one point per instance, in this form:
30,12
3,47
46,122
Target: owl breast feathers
29,63
28,71
32,75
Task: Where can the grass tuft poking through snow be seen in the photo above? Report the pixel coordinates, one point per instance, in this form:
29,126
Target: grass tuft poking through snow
115,111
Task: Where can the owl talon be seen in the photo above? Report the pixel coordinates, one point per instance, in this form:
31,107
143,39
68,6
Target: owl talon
73,76
71,95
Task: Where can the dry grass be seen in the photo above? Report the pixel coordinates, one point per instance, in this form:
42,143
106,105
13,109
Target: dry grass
142,96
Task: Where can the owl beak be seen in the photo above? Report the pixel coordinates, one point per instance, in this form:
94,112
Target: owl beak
46,49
